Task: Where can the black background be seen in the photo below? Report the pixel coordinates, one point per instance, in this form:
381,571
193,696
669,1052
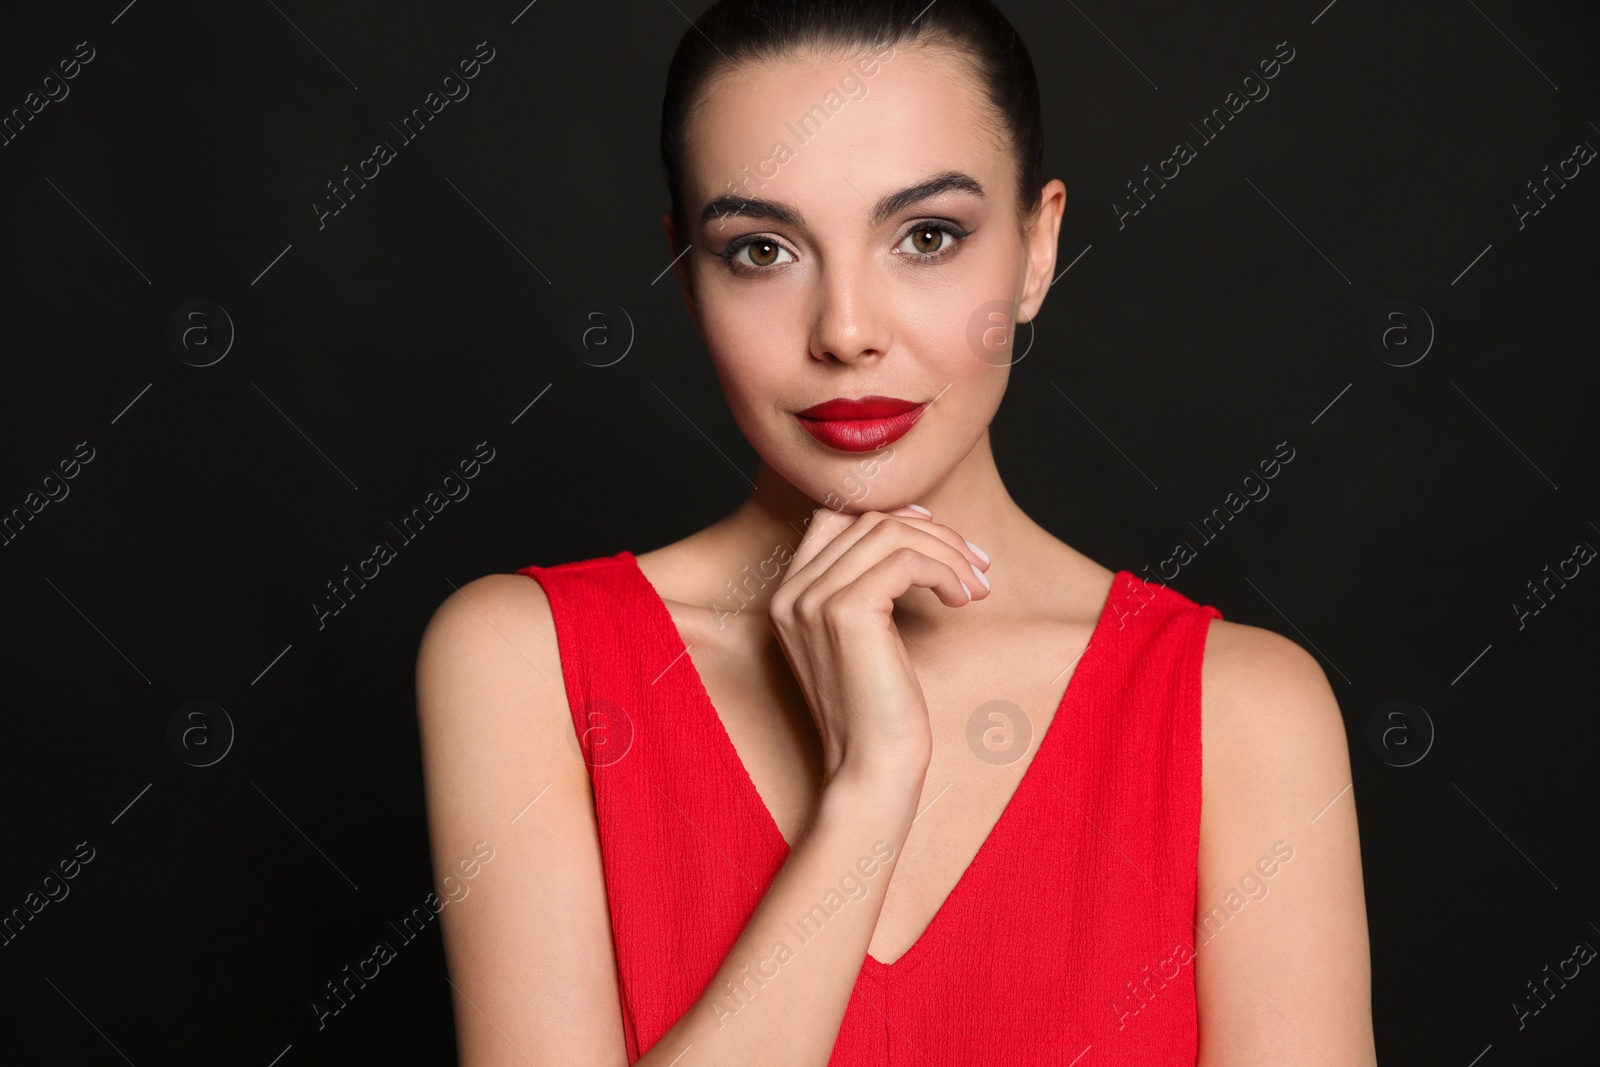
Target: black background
375,353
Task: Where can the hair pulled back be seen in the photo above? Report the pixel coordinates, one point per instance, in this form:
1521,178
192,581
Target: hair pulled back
732,33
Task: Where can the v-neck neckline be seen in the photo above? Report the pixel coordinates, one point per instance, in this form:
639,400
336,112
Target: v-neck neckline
746,786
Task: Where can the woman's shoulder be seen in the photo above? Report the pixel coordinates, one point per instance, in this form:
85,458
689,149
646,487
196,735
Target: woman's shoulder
501,598
1256,677
1276,750
485,629
1276,785
496,736
513,610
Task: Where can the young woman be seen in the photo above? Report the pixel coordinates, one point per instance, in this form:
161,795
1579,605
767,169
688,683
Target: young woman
874,769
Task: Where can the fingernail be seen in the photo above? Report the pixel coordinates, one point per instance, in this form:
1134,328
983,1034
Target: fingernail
964,589
981,553
981,577
919,507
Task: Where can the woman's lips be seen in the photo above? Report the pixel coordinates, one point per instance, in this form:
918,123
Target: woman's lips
860,425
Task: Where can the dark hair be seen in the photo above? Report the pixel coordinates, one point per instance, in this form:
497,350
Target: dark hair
732,32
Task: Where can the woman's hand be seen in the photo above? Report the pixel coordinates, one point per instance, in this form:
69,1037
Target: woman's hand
833,616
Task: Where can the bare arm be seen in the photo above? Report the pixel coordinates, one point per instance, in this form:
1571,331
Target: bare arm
792,996
529,947
1281,954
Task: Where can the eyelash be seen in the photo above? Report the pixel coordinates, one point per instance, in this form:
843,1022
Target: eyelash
735,246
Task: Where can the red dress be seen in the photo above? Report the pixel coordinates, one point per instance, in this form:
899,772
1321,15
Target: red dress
1068,940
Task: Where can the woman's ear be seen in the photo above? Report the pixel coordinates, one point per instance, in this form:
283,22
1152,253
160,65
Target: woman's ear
685,279
1041,248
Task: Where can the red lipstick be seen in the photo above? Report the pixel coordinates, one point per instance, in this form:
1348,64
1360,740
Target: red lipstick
860,425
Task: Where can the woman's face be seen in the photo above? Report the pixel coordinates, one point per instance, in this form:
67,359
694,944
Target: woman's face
855,232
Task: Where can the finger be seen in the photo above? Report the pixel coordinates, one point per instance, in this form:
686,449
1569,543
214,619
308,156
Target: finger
853,552
823,525
894,575
978,559
832,534
836,533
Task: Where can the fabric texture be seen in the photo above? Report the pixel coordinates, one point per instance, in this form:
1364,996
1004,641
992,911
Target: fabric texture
1068,940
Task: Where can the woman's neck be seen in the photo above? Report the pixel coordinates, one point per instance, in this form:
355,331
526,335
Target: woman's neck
761,535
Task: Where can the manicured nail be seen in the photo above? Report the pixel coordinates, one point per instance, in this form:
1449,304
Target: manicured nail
981,553
919,507
981,577
964,589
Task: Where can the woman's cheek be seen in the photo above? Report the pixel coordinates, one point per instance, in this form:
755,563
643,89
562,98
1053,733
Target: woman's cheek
749,386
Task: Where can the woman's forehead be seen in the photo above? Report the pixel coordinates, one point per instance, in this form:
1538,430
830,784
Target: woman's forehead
789,129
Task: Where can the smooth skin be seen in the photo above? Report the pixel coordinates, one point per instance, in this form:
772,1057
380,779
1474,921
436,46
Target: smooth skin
845,684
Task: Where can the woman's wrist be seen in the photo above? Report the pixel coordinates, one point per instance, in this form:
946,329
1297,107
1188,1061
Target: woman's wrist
886,787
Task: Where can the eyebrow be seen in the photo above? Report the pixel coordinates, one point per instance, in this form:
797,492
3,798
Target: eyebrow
890,204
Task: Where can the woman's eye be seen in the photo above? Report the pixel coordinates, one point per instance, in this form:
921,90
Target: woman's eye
929,239
756,252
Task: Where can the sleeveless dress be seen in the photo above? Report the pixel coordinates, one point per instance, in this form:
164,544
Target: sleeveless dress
1068,940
